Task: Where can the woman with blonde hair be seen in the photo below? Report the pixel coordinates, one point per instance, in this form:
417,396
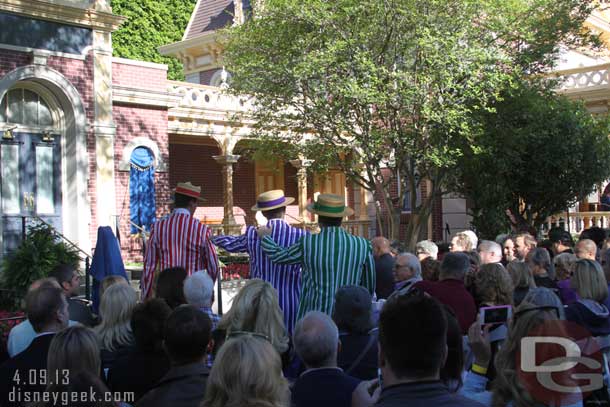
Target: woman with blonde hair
74,349
247,372
589,311
522,278
256,309
73,367
114,332
461,242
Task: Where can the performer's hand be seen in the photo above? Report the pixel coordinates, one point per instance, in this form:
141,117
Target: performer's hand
263,231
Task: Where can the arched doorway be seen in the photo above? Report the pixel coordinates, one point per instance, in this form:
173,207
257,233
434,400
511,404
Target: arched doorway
30,160
55,137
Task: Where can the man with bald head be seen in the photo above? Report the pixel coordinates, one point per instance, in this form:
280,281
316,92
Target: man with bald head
384,266
490,252
586,249
316,341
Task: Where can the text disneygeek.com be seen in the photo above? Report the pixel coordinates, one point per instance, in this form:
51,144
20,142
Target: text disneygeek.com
65,398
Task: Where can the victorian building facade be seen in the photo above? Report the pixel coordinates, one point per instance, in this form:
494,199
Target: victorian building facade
72,116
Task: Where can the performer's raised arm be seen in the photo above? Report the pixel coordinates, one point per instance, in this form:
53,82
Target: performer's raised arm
232,244
278,254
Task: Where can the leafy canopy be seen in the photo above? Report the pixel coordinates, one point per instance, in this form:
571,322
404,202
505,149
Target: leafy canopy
393,85
150,24
537,154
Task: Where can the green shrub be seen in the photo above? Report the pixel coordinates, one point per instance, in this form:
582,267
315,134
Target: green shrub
39,253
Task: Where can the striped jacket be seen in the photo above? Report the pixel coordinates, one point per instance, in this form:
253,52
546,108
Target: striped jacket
331,259
178,240
286,279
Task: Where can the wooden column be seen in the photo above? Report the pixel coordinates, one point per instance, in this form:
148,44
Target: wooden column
301,165
226,161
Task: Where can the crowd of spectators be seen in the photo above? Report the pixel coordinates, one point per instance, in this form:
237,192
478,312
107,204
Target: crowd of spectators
420,340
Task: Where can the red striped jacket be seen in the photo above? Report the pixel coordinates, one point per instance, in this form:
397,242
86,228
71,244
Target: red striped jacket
178,240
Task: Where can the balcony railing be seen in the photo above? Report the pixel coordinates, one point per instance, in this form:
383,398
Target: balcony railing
208,98
576,222
584,78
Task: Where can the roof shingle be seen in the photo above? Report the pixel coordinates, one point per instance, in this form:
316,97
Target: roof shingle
211,15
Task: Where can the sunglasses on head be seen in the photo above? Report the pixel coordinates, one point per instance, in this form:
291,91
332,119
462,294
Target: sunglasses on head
235,334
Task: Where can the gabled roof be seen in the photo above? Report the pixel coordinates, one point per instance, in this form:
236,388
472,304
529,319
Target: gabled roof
210,15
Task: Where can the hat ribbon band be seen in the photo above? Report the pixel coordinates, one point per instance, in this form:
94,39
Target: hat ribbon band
187,192
330,209
274,202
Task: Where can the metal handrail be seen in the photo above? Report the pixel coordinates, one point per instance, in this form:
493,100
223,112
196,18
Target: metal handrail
58,233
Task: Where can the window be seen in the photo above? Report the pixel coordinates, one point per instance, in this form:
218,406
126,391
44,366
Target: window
22,106
406,203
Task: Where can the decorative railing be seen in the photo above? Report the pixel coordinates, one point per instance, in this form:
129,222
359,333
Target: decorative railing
588,77
576,222
207,97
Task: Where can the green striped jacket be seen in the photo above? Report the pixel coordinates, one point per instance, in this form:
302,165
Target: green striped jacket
329,260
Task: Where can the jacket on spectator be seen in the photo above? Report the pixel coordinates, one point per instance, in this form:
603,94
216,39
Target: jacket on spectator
422,394
22,374
359,346
590,315
453,294
567,295
324,387
137,372
384,274
182,386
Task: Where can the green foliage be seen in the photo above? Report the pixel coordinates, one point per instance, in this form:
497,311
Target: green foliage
391,85
39,253
150,24
537,154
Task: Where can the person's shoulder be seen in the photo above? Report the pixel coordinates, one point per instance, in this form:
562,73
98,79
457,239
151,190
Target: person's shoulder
462,401
425,285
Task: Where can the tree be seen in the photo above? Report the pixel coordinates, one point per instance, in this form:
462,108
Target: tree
386,90
537,154
150,24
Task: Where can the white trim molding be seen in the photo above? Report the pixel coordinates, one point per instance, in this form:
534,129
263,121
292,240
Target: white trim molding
144,64
160,165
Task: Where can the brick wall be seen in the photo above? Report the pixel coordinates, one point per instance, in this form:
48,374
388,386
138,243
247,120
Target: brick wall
138,121
10,60
125,74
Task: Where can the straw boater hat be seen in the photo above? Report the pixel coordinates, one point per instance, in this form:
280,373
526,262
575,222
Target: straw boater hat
331,206
271,200
188,189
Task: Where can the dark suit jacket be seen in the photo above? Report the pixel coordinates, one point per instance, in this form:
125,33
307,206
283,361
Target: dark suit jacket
28,364
182,386
384,266
81,312
138,372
